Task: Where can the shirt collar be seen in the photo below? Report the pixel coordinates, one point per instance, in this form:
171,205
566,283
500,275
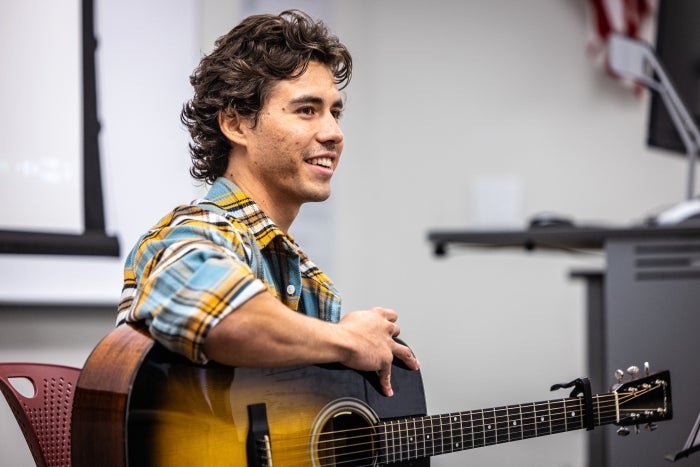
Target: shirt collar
228,196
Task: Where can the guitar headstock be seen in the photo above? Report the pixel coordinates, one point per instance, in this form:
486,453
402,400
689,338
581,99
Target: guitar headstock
642,400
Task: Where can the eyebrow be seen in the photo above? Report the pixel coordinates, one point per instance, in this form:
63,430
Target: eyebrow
310,99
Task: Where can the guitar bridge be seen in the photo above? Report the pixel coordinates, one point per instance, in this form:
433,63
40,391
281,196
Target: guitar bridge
258,445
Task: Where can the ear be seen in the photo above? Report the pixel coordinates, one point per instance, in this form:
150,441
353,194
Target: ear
232,127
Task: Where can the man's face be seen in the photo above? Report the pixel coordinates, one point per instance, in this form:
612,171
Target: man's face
295,147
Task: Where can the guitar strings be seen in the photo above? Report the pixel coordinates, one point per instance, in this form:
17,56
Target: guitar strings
526,424
356,437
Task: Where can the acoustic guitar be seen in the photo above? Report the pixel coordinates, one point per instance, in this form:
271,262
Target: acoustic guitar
137,404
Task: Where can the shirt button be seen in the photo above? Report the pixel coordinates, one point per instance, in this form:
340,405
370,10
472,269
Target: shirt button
291,289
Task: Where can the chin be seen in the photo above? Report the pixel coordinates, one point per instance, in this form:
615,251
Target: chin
318,195
320,198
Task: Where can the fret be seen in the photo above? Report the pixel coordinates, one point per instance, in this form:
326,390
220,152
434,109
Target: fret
542,415
438,436
410,439
403,430
396,440
515,423
419,429
574,413
478,435
447,434
456,440
384,443
444,433
489,426
502,425
557,416
529,424
597,411
467,430
429,439
391,444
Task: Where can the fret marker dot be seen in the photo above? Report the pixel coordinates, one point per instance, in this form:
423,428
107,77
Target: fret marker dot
454,419
488,426
573,414
515,423
428,436
542,419
456,444
411,439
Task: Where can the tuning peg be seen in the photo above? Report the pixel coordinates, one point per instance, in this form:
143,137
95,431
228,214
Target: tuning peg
633,370
623,431
618,375
651,426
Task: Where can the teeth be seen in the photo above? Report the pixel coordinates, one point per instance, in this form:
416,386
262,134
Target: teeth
322,161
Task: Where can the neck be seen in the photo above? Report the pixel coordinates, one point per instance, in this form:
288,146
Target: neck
282,213
440,434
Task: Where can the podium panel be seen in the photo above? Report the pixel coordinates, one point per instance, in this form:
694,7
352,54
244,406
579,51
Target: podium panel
652,313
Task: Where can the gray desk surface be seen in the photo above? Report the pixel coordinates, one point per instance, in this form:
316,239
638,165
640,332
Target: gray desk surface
564,238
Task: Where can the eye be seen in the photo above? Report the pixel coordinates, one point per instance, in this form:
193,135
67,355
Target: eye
306,110
337,113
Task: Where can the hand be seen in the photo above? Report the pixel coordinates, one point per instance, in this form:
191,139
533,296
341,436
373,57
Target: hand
372,346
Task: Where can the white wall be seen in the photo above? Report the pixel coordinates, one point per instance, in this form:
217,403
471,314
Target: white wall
452,105
146,53
450,102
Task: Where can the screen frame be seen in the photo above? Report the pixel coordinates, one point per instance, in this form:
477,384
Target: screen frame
661,132
94,240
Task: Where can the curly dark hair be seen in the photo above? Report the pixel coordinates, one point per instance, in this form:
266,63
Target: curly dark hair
239,74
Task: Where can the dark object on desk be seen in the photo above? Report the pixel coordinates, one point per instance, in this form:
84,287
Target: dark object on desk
547,220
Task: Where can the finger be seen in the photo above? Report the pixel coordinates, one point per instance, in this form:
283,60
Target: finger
406,355
385,381
388,313
396,330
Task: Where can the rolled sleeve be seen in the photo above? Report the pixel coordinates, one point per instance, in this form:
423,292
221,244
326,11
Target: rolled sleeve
191,306
190,276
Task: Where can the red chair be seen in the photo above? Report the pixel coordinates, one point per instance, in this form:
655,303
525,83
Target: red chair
45,417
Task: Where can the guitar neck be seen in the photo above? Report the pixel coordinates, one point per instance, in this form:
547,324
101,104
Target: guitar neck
433,435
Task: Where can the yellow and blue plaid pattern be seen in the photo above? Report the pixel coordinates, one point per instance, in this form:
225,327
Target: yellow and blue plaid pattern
203,260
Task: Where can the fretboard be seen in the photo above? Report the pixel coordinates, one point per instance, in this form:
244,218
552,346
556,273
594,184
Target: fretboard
417,437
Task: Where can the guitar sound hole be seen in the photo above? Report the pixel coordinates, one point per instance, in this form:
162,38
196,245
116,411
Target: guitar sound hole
347,440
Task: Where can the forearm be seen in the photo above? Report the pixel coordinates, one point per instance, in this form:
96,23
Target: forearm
264,333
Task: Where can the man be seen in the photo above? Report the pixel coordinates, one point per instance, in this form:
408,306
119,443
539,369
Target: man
221,279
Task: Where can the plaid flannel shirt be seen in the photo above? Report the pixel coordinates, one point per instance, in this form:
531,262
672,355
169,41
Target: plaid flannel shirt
203,260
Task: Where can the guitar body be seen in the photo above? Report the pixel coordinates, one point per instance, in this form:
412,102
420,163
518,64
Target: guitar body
172,412
137,404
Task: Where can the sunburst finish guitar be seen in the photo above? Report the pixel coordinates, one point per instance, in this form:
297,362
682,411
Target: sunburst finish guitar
138,405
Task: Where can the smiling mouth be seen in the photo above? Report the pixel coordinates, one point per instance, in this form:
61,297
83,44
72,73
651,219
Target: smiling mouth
325,162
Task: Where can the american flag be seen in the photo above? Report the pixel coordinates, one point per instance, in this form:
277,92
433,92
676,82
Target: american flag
615,16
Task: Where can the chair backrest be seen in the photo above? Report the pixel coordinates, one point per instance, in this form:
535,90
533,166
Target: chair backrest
45,417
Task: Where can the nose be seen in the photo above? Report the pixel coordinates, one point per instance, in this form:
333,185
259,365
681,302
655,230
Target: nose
330,130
